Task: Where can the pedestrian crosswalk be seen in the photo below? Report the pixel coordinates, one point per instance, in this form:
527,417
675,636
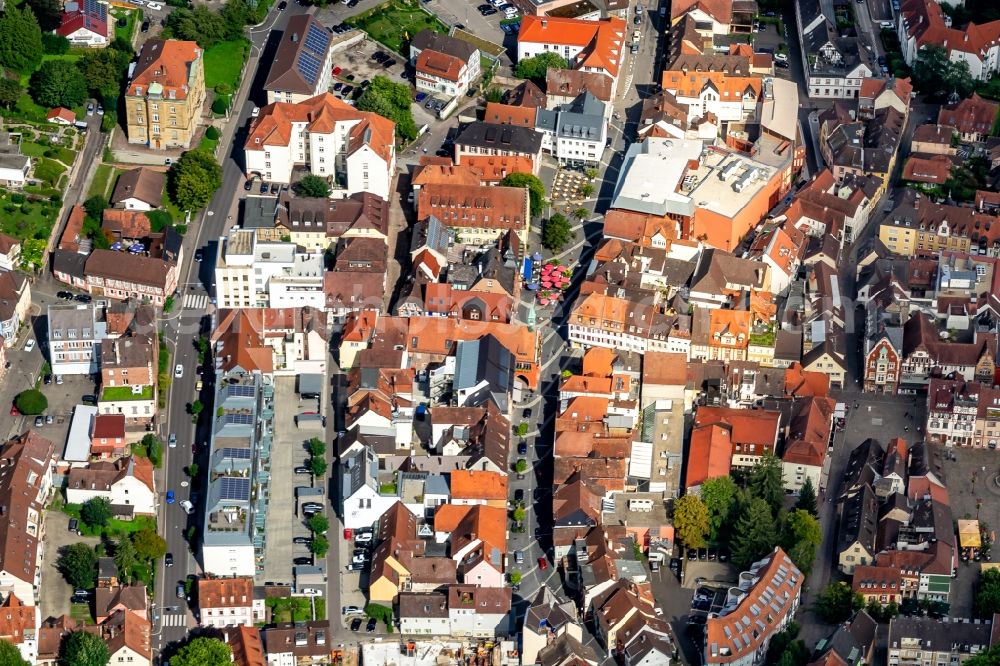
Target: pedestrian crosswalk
175,620
196,301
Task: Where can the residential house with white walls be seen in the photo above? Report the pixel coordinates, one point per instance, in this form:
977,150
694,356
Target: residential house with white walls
354,150
444,64
592,46
229,602
361,502
303,63
126,482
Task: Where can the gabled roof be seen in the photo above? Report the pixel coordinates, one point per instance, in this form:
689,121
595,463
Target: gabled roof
710,455
720,10
440,65
301,54
972,115
225,593
601,40
24,465
141,183
478,484
446,44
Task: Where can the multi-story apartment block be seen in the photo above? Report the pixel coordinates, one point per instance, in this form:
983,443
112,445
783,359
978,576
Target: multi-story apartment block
952,410
617,323
253,273
228,602
330,139
15,299
923,23
478,214
74,336
303,64
576,132
163,99
282,341
232,533
761,605
486,139
25,490
832,63
923,640
917,225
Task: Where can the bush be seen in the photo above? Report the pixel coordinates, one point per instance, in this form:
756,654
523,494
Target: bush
17,198
31,402
219,106
54,44
224,89
212,133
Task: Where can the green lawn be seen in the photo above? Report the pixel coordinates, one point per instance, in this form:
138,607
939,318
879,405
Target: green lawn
126,31
81,613
223,63
117,393
102,178
396,21
27,220
208,145
115,527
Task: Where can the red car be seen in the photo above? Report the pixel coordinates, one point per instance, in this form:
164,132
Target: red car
337,71
543,563
14,411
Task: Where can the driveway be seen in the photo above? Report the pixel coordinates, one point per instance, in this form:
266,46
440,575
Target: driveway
55,591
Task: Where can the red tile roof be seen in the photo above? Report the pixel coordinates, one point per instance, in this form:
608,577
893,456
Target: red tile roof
505,114
165,63
935,169
91,16
62,114
925,22
601,40
478,484
970,116
438,64
710,455
720,10
475,206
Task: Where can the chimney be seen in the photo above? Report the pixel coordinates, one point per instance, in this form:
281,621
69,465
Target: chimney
545,23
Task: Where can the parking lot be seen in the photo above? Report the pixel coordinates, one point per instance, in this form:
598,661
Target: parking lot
284,521
62,399
55,591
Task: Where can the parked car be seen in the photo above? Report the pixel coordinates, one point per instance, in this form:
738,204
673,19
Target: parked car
29,346
519,557
168,560
519,494
356,624
187,506
302,561
74,525
522,448
420,97
47,379
302,540
198,255
39,422
363,537
355,567
65,295
274,188
282,6
248,185
170,497
48,419
144,27
543,563
80,597
370,627
263,187
90,108
180,591
301,470
347,90
155,6
172,440
83,298
312,506
359,559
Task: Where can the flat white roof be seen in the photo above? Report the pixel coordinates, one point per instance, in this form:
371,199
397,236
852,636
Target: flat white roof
78,439
652,173
780,114
711,192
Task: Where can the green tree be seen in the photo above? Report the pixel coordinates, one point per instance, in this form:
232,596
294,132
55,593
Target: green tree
766,483
236,14
780,641
31,402
126,558
317,466
556,233
519,514
21,46
755,535
838,602
153,449
312,186
536,189
515,577
96,512
58,83
521,466
78,565
691,521
54,44
10,91
319,546
101,70
807,497
987,601
47,12
586,190
316,447
95,207
82,648
719,496
200,25
537,68
802,537
148,545
390,100
10,655
936,75
194,179
318,524
203,652
379,612
796,654
581,213
197,407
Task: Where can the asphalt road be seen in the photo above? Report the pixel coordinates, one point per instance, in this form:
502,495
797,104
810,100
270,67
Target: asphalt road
181,330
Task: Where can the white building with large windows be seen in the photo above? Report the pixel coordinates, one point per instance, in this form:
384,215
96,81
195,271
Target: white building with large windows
250,272
354,150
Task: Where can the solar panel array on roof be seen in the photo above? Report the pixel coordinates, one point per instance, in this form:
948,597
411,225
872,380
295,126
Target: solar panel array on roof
239,419
309,67
240,391
317,39
234,488
235,454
